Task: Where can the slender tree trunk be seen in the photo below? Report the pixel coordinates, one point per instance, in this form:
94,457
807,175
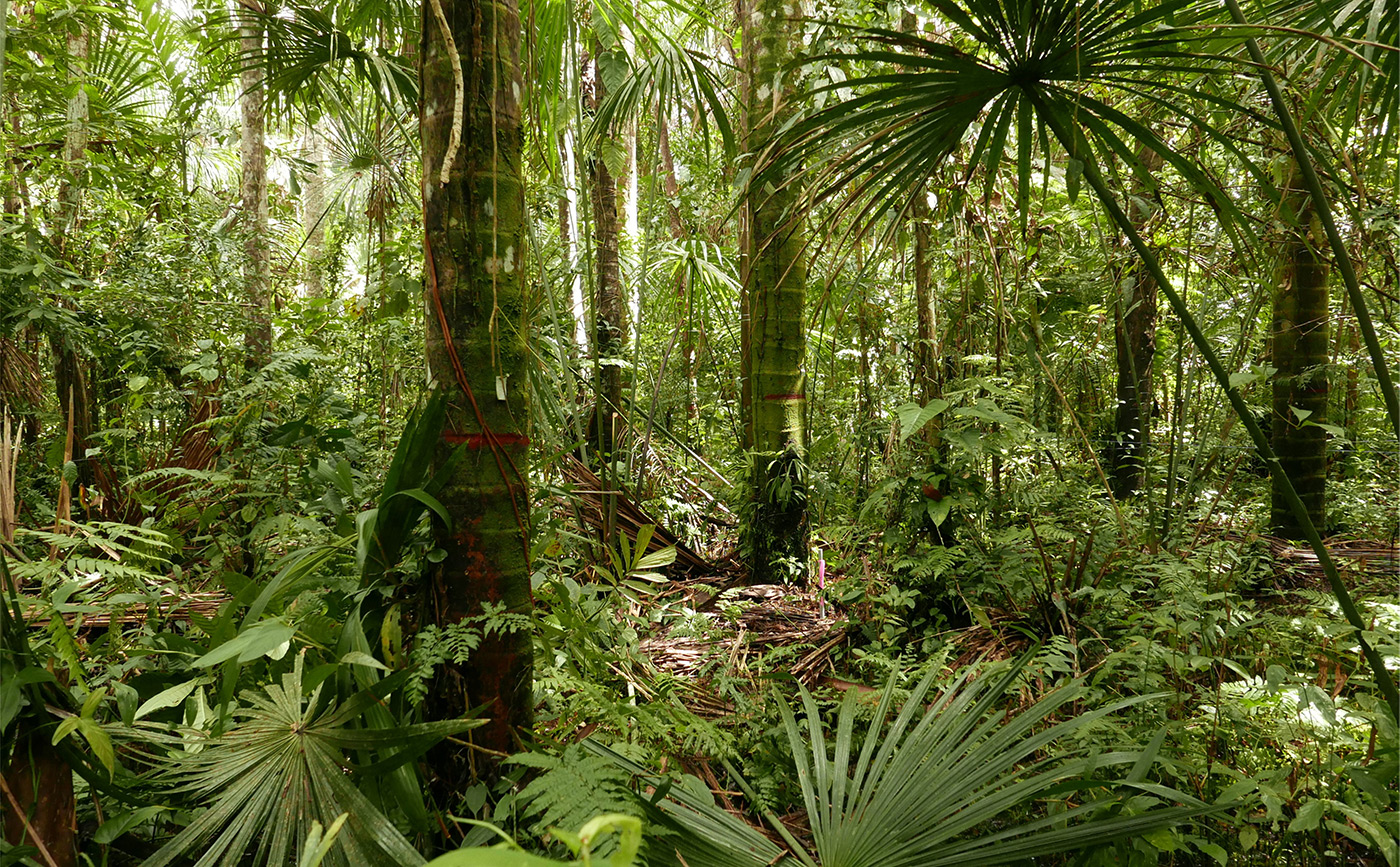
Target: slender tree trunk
257,335
569,231
477,338
774,271
1300,355
928,353
684,301
1135,348
929,361
71,380
610,297
313,213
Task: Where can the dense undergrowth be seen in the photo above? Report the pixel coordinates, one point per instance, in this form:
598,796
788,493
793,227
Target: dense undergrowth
195,699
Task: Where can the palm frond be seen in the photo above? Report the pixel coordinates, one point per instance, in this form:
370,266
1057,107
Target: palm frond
942,783
283,768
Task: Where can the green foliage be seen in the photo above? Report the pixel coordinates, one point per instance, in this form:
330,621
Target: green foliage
930,788
572,787
288,741
582,844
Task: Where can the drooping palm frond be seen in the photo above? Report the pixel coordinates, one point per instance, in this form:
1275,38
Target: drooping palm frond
986,86
1364,81
313,58
671,75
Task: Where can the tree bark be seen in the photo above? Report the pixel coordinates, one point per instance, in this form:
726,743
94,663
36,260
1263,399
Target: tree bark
610,297
1300,355
684,290
1135,348
72,384
774,274
257,335
313,214
477,338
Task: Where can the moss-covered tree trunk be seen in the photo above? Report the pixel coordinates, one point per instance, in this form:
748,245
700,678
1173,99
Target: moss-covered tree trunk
774,272
252,152
474,281
1299,353
1135,349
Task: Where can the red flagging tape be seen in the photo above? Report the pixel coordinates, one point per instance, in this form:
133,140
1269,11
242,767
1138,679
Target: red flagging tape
477,441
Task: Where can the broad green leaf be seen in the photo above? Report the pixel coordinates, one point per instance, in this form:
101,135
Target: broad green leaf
491,858
124,821
359,657
1308,817
251,643
101,743
913,417
171,696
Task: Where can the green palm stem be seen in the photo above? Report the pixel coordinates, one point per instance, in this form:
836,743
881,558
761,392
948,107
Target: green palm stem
1384,681
1324,214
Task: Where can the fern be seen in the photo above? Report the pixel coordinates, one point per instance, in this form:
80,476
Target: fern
572,788
434,645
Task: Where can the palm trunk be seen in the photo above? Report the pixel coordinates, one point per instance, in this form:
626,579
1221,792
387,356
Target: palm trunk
569,226
477,337
257,334
1135,348
928,362
610,299
1300,356
773,254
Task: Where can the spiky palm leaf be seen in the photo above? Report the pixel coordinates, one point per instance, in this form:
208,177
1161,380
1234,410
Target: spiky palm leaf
283,768
947,783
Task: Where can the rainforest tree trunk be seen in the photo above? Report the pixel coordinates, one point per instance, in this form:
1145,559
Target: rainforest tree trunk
1300,355
774,274
72,382
610,298
313,214
477,338
257,334
928,354
684,297
1135,348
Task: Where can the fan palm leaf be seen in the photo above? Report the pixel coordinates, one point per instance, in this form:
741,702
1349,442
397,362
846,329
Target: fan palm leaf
931,787
283,768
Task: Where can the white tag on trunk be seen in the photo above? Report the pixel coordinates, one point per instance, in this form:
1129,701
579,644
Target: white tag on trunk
500,388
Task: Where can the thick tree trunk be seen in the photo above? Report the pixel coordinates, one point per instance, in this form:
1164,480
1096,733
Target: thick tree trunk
257,335
477,336
42,783
1300,355
1135,348
774,271
610,297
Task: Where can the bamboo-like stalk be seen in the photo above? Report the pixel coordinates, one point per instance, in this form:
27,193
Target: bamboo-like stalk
1384,681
